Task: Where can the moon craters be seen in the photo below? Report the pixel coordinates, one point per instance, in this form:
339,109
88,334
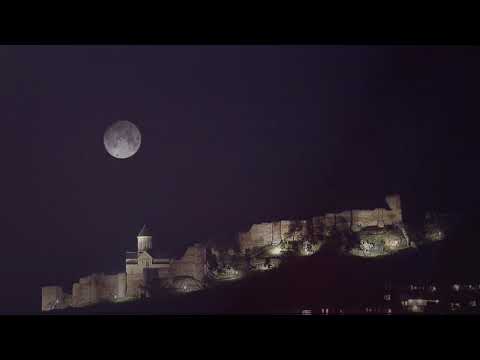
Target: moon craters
122,139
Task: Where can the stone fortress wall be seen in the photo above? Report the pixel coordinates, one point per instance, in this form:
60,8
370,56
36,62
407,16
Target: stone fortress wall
87,291
193,263
269,233
54,298
97,288
378,226
272,233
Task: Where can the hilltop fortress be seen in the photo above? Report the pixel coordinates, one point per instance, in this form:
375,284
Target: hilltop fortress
320,228
144,267
365,233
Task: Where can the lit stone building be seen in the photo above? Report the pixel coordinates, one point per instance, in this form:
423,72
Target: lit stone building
143,267
148,264
145,264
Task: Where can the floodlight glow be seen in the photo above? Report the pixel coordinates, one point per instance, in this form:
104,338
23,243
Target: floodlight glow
276,250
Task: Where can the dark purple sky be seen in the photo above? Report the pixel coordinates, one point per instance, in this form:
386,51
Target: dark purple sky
231,135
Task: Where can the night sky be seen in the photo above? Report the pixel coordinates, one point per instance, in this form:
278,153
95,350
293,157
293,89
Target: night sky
231,135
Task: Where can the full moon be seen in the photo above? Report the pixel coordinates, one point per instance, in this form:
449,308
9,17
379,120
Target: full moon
122,139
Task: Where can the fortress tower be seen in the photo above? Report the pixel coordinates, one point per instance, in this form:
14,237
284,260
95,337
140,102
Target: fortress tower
393,201
144,239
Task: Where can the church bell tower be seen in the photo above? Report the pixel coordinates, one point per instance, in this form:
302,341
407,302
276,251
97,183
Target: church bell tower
144,239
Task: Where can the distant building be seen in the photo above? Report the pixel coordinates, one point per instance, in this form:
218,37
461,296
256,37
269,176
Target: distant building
148,264
145,264
143,268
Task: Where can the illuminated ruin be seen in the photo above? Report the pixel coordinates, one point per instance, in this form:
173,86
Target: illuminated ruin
364,233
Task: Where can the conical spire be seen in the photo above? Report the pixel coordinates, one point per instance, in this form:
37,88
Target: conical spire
145,231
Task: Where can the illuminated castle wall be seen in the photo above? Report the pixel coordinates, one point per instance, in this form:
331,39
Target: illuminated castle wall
380,231
272,233
142,266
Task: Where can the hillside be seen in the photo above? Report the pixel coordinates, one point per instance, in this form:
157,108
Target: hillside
301,282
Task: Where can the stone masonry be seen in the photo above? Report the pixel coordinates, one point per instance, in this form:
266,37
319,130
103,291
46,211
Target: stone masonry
272,233
378,227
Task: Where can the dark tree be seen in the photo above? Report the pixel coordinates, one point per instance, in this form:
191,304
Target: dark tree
211,260
319,232
334,243
309,231
350,240
295,230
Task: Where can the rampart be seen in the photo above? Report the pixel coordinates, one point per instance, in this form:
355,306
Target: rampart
53,298
88,290
193,263
272,233
99,287
189,271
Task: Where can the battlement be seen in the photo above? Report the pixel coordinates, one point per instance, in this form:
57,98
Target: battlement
53,298
88,290
272,233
